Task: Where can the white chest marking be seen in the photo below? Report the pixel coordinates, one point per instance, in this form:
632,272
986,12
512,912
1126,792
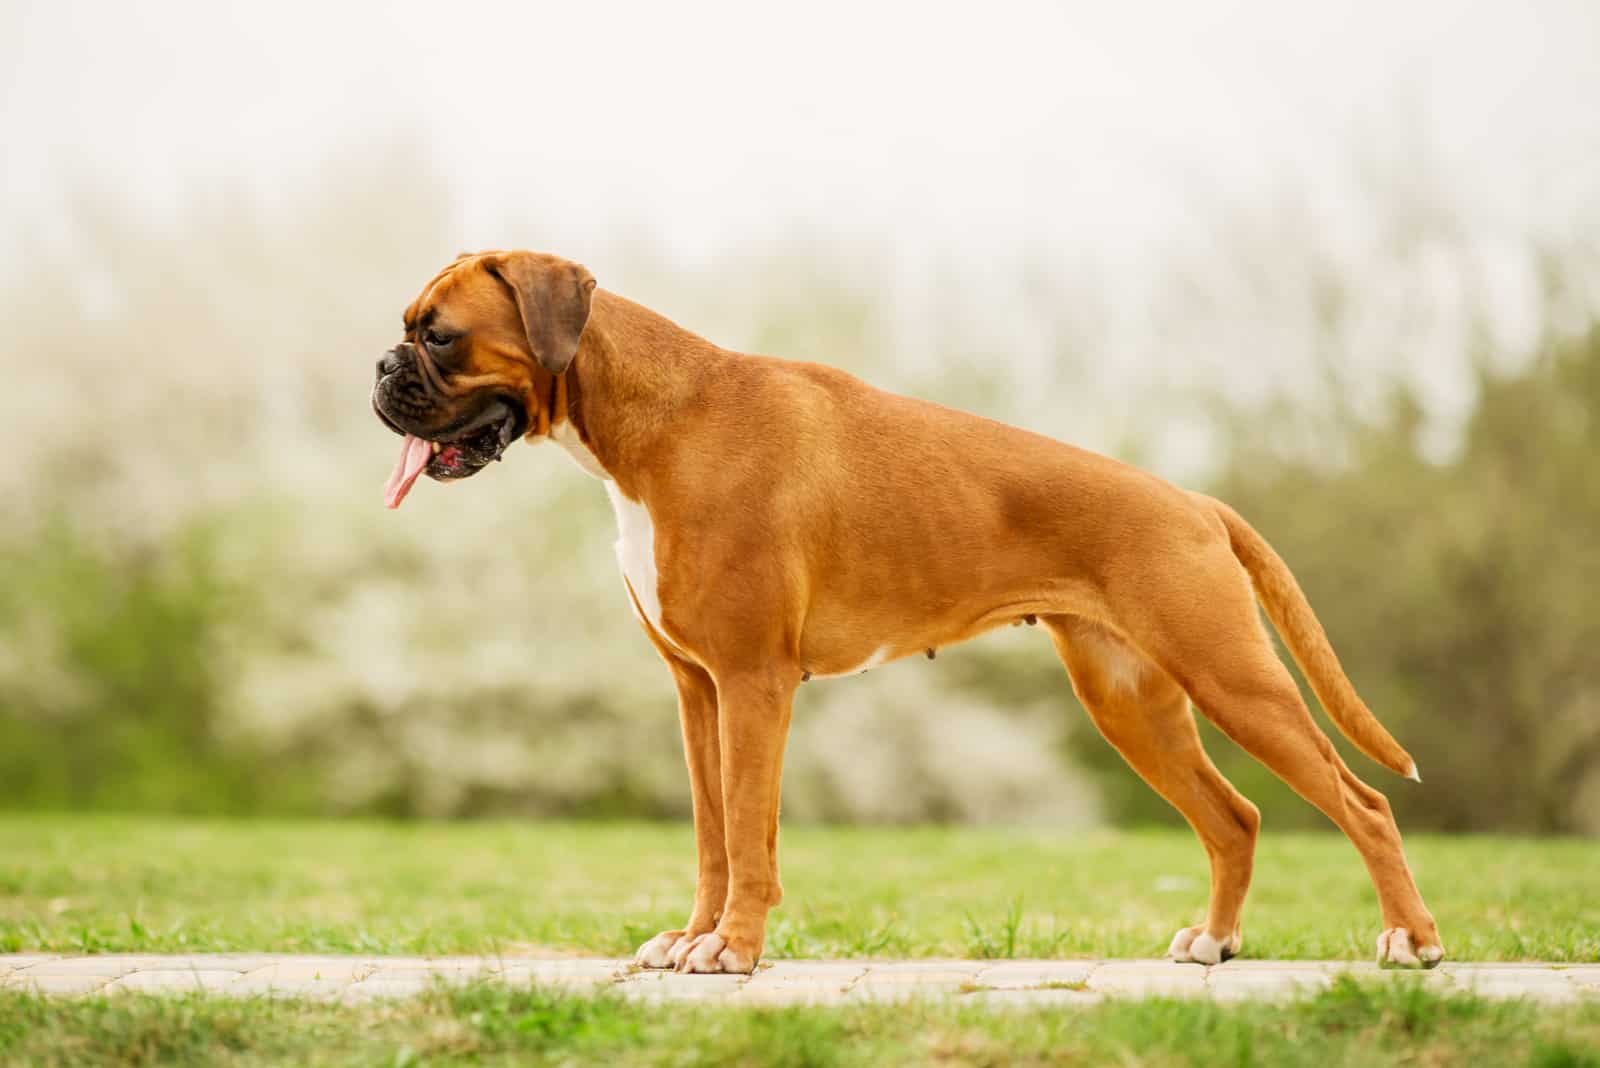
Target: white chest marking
636,553
636,535
562,434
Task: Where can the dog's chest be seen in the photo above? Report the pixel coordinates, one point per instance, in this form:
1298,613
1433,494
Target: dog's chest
636,554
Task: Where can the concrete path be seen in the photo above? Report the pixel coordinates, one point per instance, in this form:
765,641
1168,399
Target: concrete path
784,982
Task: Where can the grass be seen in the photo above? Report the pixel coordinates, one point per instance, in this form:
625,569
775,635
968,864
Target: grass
1350,1024
98,884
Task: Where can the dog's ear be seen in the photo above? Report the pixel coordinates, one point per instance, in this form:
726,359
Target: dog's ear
553,298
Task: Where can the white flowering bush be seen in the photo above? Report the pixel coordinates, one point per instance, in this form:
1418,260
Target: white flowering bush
205,606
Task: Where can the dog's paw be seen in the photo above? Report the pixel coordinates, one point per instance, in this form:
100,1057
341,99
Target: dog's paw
657,953
1396,950
711,954
1194,945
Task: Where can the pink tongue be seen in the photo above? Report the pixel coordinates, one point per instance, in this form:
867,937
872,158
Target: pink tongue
414,456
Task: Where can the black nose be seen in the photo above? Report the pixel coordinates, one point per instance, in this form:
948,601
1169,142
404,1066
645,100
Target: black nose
388,363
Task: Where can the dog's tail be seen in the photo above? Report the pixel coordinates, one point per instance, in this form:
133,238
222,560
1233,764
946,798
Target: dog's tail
1291,613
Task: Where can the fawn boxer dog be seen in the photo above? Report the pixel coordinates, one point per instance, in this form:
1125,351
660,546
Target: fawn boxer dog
781,521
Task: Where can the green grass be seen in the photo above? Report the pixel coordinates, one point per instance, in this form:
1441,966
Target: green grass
1351,1024
98,884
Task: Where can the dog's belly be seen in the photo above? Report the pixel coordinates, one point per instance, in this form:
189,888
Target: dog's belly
834,654
843,638
834,665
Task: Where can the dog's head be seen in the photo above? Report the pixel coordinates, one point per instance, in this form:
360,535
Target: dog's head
483,343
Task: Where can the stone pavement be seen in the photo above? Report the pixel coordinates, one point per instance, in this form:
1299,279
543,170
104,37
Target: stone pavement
784,982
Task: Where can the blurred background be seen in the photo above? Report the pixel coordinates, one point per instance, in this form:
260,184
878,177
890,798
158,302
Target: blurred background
1338,264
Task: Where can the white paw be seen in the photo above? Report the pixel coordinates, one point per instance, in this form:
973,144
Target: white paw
1395,950
1197,945
656,953
710,955
702,954
680,950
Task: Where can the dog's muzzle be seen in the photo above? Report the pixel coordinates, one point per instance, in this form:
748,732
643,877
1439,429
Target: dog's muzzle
447,438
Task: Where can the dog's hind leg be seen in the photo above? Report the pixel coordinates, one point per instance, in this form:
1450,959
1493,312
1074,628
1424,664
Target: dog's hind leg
1254,701
1145,715
1217,649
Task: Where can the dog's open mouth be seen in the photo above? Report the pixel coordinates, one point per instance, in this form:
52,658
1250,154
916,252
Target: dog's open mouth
465,453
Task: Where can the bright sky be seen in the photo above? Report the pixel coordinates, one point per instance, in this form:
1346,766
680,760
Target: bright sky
707,124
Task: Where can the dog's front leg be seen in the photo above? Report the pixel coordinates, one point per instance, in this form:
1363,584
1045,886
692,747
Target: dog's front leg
753,723
697,712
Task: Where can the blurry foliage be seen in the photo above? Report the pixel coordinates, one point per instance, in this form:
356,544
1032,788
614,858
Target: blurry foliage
203,607
1459,595
111,701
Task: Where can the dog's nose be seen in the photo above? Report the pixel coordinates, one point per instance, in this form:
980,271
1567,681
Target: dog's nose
388,363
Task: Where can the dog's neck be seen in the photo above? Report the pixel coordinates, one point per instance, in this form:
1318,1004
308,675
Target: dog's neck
634,373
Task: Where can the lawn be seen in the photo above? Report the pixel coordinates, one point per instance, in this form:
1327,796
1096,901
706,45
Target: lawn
98,884
1351,1024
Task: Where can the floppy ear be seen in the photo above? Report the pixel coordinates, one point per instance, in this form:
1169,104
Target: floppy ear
553,297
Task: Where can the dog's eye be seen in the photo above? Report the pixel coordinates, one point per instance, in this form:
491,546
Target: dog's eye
437,340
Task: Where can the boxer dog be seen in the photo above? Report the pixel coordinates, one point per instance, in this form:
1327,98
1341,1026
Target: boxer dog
782,521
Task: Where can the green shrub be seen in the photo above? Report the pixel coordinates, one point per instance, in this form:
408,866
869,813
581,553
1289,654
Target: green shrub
111,688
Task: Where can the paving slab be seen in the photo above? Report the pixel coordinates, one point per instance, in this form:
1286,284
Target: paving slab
799,992
676,986
1144,978
846,970
921,967
1266,984
802,983
1001,984
1032,999
1583,975
172,981
1499,974
570,965
76,983
103,964
567,973
1246,964
452,973
930,977
322,978
350,970
1029,974
877,986
23,960
895,993
904,980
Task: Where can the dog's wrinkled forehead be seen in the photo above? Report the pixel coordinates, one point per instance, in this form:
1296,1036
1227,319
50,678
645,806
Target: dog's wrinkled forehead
466,293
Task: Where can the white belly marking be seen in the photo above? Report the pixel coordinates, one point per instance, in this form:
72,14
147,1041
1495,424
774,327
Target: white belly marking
636,553
879,656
